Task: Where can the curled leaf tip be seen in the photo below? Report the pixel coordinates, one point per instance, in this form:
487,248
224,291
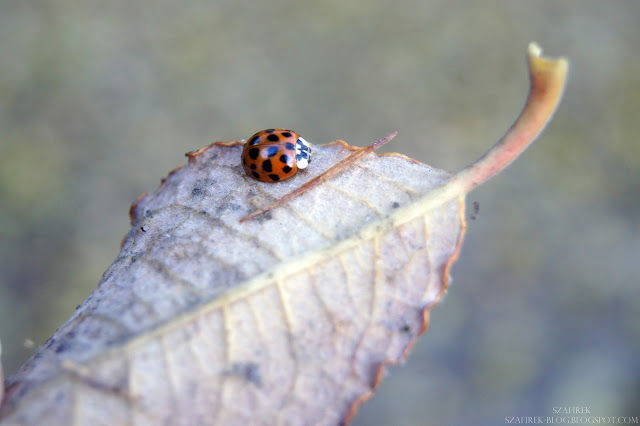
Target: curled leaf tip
539,63
534,49
548,78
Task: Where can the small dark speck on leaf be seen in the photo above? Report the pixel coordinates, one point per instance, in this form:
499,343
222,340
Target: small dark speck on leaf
250,371
204,212
192,299
476,210
142,229
64,346
396,204
148,213
119,340
196,192
266,216
405,328
78,307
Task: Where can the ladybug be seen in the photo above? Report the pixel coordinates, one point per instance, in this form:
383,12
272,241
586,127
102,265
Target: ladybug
273,155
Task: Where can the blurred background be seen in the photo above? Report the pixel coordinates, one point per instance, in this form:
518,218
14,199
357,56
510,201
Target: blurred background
99,100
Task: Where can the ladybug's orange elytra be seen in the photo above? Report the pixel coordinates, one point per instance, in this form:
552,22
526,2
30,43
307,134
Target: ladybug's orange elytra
273,155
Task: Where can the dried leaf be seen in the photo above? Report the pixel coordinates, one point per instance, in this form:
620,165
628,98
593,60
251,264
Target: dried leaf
286,318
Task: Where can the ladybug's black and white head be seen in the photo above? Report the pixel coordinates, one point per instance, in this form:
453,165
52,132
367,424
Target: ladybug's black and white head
303,153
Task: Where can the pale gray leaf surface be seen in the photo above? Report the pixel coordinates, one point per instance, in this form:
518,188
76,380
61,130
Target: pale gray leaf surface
285,318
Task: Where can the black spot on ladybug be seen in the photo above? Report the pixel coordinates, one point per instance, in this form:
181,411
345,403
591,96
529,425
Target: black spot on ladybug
286,134
244,161
253,166
266,166
273,137
274,178
286,169
254,140
289,145
254,153
269,130
255,175
272,151
284,158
